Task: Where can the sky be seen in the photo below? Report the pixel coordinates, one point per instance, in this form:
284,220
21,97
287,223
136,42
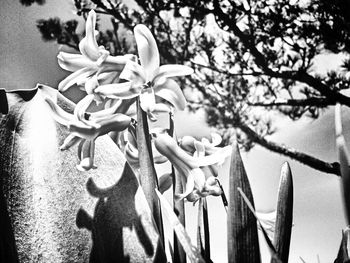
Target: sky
318,213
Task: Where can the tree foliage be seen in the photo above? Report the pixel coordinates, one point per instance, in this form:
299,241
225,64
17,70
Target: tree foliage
251,58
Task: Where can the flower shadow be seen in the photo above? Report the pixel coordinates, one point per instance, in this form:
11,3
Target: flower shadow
115,213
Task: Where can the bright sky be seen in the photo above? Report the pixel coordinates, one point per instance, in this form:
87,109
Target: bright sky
318,217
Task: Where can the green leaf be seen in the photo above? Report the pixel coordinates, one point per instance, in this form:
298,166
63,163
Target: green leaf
284,216
184,239
242,233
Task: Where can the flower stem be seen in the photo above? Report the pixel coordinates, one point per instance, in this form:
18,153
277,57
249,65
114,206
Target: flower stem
148,176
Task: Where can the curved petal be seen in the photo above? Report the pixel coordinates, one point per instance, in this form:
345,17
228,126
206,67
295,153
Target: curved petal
116,122
218,157
115,63
216,139
200,149
147,100
147,49
74,78
58,113
70,141
161,108
105,78
106,112
87,156
73,62
134,72
91,84
119,90
211,187
170,91
187,143
170,70
82,130
167,146
81,108
199,178
88,45
131,155
189,187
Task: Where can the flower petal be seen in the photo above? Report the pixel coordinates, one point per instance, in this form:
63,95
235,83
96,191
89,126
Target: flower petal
88,45
200,150
81,108
211,187
116,122
134,72
73,62
91,84
171,92
87,156
78,76
218,157
70,141
82,130
105,78
131,155
170,70
189,187
115,63
147,49
58,113
119,90
147,100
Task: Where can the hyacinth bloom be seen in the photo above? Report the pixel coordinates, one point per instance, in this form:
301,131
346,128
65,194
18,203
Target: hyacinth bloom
196,181
205,147
86,127
94,65
148,79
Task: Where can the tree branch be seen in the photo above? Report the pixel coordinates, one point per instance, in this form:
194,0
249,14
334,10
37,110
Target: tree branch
317,164
260,60
253,73
320,102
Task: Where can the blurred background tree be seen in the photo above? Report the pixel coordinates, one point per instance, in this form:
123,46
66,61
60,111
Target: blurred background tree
252,59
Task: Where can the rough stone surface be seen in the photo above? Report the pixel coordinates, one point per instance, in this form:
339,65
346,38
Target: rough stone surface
46,197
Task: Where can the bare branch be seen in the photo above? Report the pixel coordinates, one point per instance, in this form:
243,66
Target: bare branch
332,168
319,102
255,73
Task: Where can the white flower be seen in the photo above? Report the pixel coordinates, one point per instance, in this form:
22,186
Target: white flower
94,65
196,181
148,79
85,127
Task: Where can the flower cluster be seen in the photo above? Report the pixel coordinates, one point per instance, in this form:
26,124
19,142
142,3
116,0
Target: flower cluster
104,78
197,178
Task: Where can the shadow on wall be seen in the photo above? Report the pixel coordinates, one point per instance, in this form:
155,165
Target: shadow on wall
42,194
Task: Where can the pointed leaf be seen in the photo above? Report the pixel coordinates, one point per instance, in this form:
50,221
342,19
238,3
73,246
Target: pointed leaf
343,253
242,232
343,155
284,216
